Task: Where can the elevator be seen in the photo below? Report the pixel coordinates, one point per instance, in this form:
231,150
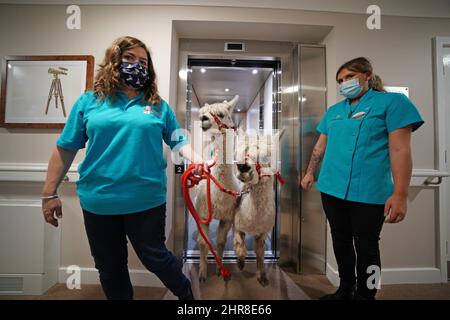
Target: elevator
280,85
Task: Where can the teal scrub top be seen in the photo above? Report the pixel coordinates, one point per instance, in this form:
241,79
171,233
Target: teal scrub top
356,164
124,168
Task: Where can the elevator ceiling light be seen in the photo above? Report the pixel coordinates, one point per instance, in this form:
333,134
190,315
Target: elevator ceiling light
238,110
202,70
255,71
227,90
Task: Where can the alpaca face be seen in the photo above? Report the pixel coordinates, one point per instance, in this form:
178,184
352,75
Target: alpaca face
253,150
222,110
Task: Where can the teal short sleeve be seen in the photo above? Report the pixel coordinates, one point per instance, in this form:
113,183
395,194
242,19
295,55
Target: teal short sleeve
401,113
322,126
73,136
173,135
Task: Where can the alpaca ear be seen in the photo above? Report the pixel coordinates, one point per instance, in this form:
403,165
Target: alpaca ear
231,104
277,136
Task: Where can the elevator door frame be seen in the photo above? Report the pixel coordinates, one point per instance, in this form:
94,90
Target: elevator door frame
237,62
289,218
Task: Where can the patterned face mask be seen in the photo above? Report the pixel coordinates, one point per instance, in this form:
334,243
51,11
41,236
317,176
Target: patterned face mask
134,75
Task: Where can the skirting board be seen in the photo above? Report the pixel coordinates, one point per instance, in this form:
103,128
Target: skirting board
397,276
139,278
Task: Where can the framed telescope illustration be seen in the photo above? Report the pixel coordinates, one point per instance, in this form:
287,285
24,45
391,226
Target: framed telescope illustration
39,91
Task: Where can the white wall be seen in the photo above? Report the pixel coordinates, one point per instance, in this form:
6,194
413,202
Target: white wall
412,8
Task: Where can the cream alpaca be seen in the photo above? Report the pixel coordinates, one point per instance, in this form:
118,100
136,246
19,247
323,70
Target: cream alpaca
255,213
223,204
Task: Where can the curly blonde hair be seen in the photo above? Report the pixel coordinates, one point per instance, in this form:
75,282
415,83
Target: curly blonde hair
108,82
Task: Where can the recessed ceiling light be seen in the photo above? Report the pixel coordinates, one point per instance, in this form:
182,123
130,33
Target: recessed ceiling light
202,70
238,110
227,90
255,71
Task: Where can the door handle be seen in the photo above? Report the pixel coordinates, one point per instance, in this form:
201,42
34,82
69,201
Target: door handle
429,181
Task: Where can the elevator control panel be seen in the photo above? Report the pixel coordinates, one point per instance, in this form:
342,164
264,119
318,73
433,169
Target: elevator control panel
179,168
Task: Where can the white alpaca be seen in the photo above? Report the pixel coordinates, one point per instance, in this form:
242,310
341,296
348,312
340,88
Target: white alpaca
223,204
255,213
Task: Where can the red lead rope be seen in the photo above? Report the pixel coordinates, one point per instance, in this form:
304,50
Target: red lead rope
188,180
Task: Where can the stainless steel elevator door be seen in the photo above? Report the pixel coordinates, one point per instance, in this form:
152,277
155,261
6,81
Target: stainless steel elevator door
312,106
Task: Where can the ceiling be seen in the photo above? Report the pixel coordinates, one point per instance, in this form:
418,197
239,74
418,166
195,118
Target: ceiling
209,86
411,8
251,31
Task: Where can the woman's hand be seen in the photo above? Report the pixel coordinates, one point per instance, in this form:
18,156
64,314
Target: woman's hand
58,166
401,163
307,181
52,209
316,157
395,208
200,168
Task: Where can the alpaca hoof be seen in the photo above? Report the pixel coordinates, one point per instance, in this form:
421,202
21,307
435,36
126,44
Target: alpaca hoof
202,276
241,263
227,278
262,279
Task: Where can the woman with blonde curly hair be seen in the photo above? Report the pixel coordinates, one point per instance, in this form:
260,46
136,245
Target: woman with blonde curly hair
122,184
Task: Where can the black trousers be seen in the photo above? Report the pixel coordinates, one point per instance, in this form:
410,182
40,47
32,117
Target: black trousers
354,227
107,235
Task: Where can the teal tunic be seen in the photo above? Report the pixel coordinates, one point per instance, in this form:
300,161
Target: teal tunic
124,168
356,164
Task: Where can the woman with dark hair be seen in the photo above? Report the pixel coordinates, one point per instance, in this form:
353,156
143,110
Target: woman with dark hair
122,184
365,145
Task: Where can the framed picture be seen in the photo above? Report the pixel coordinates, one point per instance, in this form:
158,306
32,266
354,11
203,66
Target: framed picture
39,91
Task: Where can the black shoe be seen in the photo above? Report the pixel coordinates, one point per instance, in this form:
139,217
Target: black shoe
189,295
341,294
360,296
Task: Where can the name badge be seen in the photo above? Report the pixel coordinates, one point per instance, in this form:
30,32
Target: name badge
358,115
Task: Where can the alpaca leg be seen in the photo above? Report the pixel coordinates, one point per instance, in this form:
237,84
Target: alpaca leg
224,227
203,268
239,248
259,250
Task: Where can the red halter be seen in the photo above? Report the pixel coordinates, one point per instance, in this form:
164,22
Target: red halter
277,174
220,124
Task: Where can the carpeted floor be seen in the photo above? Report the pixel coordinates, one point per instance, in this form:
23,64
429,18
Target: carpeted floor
283,285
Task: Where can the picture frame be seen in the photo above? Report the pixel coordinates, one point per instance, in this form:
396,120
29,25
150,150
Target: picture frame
39,91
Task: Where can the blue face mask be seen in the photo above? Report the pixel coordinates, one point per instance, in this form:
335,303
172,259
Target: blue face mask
134,75
350,89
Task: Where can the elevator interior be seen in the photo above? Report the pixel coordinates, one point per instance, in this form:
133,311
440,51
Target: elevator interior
217,80
280,85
